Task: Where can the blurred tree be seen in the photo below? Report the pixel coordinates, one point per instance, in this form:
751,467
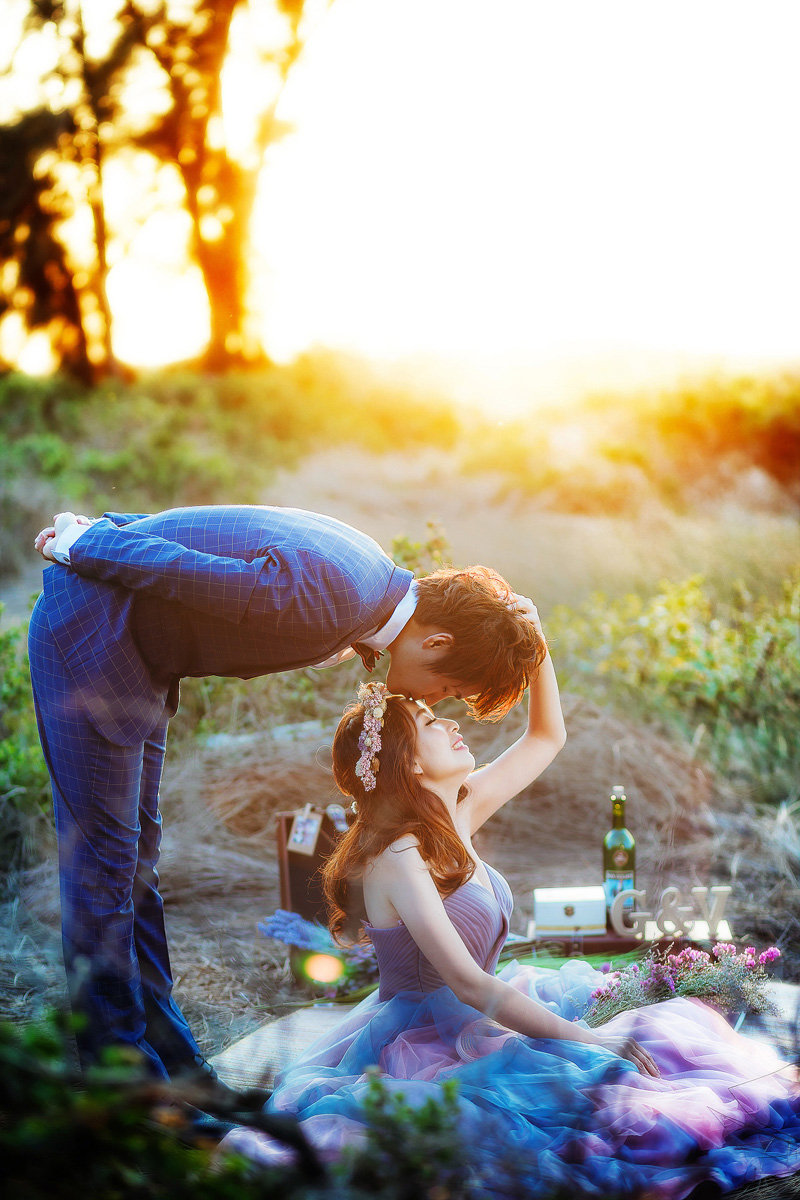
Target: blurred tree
54,163
190,44
37,282
54,158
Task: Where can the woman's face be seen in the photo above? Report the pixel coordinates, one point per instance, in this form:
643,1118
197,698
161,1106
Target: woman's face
440,756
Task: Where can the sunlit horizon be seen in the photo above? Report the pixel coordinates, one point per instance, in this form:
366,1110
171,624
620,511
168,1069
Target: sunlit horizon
507,199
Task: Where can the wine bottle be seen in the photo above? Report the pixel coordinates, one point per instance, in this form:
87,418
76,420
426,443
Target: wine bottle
619,852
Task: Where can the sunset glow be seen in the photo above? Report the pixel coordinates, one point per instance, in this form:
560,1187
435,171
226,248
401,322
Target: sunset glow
32,352
557,178
515,184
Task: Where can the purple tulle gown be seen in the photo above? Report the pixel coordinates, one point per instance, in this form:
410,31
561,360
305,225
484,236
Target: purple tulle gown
541,1114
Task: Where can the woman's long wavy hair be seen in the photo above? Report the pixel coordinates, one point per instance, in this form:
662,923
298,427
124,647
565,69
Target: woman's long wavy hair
399,804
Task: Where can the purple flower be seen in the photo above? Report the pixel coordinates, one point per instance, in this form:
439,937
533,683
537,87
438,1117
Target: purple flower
688,958
690,973
294,930
606,967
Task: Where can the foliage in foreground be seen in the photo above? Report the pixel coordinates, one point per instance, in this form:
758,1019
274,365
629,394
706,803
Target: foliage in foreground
120,1137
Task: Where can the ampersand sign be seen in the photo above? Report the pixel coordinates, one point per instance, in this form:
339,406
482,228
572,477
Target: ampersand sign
674,917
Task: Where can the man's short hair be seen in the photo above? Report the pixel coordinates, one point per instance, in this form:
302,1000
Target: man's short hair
494,648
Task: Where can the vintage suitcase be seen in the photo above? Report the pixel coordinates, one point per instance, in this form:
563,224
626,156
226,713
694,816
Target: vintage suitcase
304,839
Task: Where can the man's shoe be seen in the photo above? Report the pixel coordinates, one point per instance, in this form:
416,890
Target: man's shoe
203,1088
200,1130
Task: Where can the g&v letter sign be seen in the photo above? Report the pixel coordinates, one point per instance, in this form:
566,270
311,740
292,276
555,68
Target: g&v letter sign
674,917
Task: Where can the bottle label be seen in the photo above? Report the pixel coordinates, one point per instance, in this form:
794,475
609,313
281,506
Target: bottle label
620,857
619,881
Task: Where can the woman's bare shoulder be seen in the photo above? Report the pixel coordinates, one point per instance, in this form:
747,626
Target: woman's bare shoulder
403,855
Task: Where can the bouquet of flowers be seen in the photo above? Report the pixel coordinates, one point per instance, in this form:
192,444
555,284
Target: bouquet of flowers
732,982
294,930
360,963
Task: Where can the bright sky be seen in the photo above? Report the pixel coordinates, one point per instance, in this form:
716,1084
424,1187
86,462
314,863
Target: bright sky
527,180
506,185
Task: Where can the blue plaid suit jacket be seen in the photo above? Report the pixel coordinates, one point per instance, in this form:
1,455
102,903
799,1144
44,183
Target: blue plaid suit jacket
218,590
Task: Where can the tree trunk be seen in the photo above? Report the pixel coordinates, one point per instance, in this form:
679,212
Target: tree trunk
89,120
223,262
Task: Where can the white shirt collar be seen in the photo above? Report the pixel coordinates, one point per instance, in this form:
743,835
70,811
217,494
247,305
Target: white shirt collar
397,621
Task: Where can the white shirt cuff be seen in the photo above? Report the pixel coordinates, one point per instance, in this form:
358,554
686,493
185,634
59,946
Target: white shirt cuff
66,539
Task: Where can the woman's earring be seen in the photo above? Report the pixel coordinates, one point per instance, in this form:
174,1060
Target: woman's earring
354,808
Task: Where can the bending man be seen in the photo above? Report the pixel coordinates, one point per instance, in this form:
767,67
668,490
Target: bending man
132,603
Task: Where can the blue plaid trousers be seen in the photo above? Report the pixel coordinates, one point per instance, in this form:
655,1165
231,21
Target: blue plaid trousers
234,590
109,833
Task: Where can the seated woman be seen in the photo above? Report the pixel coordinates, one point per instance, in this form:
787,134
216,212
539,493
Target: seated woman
544,1100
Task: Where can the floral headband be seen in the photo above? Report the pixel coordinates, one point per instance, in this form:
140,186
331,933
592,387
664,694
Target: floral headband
373,697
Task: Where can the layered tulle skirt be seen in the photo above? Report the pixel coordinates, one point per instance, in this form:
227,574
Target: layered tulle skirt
539,1114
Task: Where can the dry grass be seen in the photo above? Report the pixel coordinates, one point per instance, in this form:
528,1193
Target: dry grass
762,853
247,781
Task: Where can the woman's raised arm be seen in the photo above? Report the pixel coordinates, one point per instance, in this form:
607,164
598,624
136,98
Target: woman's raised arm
524,761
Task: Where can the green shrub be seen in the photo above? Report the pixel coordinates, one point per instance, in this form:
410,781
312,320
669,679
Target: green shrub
120,1136
24,782
40,405
412,1151
723,674
423,557
755,418
612,453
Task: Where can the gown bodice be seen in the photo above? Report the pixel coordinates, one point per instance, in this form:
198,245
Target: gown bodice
481,918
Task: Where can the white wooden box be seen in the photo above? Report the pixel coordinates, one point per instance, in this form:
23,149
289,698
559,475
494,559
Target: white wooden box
564,910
